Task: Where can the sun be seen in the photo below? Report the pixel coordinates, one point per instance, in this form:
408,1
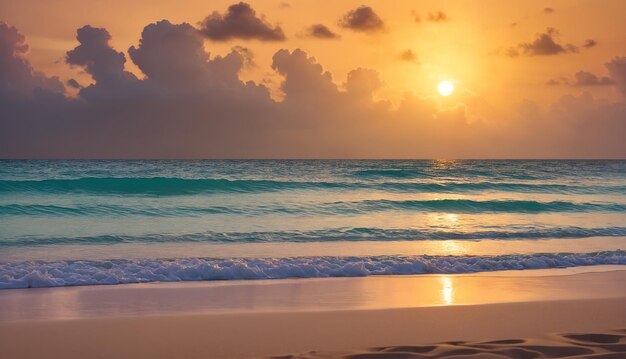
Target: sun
445,88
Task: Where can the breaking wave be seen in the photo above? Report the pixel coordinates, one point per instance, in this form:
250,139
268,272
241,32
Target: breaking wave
31,274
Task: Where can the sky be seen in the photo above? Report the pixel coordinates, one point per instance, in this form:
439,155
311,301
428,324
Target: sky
312,79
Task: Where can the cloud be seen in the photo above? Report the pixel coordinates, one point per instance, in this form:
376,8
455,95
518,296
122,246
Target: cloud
305,79
172,55
589,43
438,16
363,83
584,78
617,71
408,55
95,54
247,54
548,10
105,65
17,77
320,31
239,22
546,44
190,104
362,19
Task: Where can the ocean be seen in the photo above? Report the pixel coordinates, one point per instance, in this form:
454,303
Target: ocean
88,222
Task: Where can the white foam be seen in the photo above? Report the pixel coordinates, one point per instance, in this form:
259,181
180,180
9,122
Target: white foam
32,274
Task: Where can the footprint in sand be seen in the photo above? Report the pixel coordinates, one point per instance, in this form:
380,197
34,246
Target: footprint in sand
572,345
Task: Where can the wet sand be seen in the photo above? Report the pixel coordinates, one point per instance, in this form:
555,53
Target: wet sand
335,317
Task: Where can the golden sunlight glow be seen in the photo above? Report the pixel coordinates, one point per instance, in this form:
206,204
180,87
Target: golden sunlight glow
447,290
445,88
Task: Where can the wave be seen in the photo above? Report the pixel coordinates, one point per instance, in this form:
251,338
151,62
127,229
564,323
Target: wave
32,274
165,186
333,208
161,186
472,206
326,235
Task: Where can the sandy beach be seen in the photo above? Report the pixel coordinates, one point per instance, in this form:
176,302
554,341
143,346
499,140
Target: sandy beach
312,180
340,317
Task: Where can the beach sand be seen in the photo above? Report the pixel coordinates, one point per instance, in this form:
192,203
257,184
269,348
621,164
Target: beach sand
607,345
373,317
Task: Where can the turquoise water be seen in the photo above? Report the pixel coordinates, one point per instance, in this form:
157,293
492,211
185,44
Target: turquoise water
105,222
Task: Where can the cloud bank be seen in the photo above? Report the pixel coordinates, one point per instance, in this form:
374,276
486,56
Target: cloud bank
190,104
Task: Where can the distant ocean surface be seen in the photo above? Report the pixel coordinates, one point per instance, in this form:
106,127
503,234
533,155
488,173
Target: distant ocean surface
108,222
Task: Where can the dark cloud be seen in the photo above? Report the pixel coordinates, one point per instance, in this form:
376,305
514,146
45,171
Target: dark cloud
363,19
17,77
546,44
548,10
617,71
303,77
408,55
105,65
320,31
95,54
438,16
584,78
589,43
187,58
553,82
284,5
240,22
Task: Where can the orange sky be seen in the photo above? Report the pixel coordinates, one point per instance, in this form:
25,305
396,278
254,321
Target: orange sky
462,48
469,47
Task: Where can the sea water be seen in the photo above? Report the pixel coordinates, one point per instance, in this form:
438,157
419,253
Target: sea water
86,222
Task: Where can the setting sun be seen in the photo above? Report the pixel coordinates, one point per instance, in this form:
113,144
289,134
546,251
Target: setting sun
445,88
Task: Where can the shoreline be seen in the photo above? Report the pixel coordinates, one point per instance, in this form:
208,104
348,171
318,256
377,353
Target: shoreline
260,319
311,294
28,274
